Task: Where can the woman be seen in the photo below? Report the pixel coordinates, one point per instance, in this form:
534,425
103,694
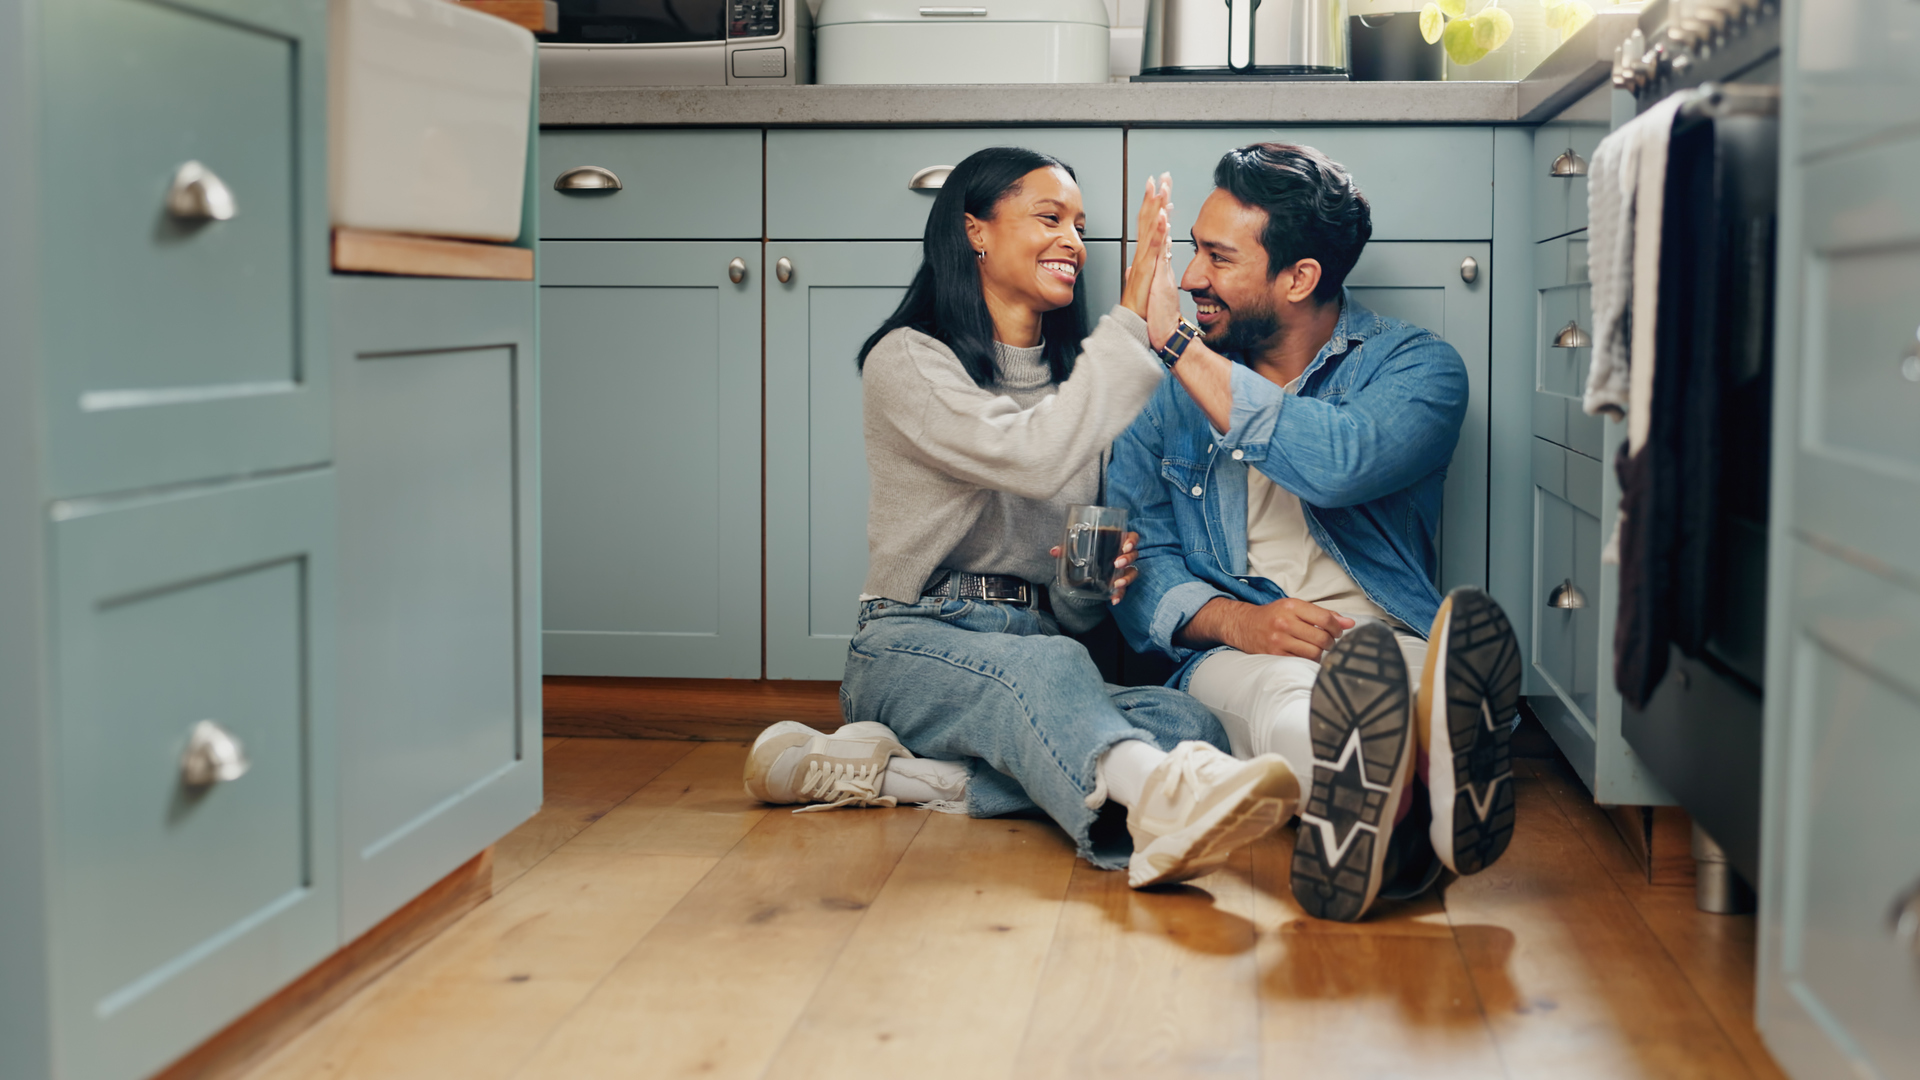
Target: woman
989,408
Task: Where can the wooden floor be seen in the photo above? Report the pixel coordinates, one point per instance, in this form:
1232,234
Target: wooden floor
651,921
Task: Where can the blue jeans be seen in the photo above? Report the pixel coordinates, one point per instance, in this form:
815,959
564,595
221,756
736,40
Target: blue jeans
998,686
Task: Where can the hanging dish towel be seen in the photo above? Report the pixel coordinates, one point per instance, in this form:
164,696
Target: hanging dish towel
1625,189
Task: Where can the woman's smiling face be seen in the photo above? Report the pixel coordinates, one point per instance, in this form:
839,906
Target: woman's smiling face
1033,244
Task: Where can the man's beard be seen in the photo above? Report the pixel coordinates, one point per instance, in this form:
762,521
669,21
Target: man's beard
1246,330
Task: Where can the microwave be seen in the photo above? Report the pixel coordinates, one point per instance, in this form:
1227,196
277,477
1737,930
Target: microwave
679,43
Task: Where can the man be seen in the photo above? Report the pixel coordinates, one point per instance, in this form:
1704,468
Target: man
1286,484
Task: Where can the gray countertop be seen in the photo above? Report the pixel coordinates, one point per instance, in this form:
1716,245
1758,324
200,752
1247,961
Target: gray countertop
1576,68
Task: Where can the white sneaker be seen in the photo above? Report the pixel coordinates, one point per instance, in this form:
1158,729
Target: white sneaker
792,763
1469,691
1200,806
1362,730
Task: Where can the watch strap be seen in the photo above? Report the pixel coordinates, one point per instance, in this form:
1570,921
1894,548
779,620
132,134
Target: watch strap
1183,335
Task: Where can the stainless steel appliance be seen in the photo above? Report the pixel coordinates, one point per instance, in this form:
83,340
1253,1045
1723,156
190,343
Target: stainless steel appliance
1245,39
679,43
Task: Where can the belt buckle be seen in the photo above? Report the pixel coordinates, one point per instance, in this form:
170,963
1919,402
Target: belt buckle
1018,595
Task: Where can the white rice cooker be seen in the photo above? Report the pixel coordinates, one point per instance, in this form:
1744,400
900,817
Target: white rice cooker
997,41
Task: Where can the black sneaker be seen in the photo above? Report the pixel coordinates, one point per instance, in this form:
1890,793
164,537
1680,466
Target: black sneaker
1473,671
1362,732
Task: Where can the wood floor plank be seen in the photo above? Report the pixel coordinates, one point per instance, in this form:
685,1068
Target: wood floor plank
1573,982
1717,953
1149,983
585,778
696,806
1388,996
716,986
477,1000
939,979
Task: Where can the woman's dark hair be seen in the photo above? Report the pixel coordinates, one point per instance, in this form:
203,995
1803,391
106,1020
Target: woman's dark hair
1313,209
945,301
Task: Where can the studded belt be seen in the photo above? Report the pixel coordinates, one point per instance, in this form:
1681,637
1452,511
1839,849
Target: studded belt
997,588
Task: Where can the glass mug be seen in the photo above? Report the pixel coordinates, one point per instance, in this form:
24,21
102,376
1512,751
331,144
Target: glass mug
1087,550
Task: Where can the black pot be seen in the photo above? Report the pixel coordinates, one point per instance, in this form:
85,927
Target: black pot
1389,48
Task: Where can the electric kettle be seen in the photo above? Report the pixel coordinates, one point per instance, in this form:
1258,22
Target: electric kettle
1195,40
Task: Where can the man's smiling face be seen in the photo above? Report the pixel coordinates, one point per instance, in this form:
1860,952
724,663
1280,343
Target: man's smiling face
1228,275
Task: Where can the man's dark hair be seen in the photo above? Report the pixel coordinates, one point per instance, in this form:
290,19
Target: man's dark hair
1313,209
945,300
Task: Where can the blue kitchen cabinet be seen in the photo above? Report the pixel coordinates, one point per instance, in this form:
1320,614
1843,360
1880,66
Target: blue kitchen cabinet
673,185
1839,966
167,553
861,184
186,345
173,907
437,453
1422,183
1566,625
816,511
650,430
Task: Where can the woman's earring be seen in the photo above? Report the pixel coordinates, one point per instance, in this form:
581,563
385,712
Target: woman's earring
981,254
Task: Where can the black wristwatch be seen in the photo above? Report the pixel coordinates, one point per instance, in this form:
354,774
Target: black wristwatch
1183,335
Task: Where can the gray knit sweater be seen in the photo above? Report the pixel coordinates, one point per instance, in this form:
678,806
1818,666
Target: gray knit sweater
979,479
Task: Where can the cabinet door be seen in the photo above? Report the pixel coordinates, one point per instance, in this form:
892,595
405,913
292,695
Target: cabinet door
1422,284
816,456
177,907
439,576
1839,981
650,421
1855,68
181,348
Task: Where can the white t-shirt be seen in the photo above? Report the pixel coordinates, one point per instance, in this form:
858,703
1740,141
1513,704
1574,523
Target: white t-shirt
1281,549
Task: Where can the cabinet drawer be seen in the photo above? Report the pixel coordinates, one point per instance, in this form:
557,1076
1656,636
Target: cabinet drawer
1560,202
176,349
1567,560
181,906
1862,357
1422,183
852,185
674,185
1859,74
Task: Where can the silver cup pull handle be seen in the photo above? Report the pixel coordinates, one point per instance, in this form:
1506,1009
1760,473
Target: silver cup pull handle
1567,596
587,178
197,195
931,178
1240,34
213,756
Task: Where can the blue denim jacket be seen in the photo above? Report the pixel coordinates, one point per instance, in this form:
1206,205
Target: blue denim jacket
1364,443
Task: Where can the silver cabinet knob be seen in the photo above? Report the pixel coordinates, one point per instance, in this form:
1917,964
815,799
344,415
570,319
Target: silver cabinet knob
737,271
783,269
588,178
1469,269
212,756
1904,920
1910,363
1567,596
1568,165
1572,337
196,195
931,178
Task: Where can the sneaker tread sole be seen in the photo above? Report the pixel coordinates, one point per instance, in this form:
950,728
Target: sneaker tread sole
1482,694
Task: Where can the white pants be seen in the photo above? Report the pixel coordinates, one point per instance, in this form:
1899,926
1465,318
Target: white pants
1265,702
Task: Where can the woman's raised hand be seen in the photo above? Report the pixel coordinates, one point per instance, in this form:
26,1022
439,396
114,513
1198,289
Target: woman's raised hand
1163,297
1150,244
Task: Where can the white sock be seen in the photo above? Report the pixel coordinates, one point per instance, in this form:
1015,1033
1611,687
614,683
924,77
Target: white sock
941,785
1123,770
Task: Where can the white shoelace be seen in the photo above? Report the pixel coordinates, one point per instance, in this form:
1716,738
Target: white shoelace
839,784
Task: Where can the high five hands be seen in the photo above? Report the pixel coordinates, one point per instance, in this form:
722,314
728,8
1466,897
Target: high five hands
1150,292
